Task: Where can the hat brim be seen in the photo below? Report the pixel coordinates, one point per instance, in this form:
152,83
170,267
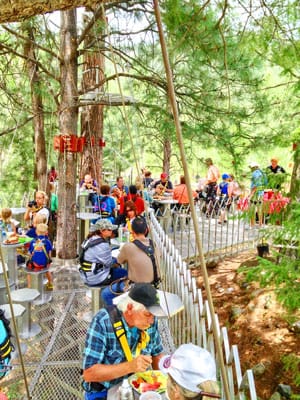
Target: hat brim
170,304
96,227
156,309
112,227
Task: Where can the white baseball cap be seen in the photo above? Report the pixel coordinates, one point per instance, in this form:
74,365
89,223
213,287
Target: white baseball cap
189,366
253,164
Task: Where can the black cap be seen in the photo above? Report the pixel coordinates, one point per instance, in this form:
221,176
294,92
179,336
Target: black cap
146,294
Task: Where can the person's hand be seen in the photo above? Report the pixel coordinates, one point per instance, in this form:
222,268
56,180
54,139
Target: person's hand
141,363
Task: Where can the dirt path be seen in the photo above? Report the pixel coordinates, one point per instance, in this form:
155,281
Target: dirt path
255,322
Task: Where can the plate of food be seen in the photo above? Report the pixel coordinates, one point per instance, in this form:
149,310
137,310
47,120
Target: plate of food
155,381
12,239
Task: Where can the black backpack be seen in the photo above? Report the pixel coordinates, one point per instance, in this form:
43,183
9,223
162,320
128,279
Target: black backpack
87,243
149,250
6,347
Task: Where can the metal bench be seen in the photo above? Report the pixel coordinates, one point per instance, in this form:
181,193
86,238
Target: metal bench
26,297
37,282
94,293
3,290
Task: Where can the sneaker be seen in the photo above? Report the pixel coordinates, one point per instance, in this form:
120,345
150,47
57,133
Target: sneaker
49,286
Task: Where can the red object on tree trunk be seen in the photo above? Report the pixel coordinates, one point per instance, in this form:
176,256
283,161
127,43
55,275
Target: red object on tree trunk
80,144
295,145
64,143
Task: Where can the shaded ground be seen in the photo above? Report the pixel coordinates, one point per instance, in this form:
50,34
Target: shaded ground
255,321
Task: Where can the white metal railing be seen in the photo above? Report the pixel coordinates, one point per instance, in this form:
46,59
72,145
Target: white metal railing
194,323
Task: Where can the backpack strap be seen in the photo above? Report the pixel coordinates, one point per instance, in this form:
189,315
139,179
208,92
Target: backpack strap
39,242
86,266
119,330
5,346
149,250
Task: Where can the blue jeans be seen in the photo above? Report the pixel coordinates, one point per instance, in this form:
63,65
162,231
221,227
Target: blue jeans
95,395
107,295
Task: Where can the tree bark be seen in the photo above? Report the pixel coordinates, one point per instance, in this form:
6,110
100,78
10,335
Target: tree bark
40,172
68,117
295,178
17,10
92,115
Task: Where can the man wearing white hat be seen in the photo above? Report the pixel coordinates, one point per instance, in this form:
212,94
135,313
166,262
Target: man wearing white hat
191,373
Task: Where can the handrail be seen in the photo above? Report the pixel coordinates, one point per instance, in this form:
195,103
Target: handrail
194,323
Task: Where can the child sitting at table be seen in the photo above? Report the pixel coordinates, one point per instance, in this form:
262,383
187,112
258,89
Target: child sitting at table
7,223
31,232
40,254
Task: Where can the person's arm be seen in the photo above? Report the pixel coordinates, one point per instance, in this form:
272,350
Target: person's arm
230,188
155,361
27,214
104,372
122,257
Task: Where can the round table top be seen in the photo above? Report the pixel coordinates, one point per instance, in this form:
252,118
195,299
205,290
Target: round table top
18,210
166,201
18,310
24,294
22,240
87,215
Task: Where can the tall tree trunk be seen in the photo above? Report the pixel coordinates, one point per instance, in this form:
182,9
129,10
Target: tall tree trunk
295,178
40,172
167,155
92,116
68,117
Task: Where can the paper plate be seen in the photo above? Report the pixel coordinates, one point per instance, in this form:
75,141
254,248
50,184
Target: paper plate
142,381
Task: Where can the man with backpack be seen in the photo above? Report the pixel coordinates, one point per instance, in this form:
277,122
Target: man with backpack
105,204
140,259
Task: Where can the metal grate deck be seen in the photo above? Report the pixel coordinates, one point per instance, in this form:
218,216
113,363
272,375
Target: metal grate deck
53,358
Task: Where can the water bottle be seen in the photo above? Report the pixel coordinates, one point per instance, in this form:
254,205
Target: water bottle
127,236
126,392
120,234
4,236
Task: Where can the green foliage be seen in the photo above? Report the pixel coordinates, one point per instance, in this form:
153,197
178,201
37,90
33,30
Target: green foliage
291,363
284,273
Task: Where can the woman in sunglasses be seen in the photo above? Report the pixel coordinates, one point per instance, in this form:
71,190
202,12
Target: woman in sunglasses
130,214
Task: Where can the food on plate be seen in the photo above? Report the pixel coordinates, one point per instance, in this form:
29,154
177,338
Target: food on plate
12,239
149,380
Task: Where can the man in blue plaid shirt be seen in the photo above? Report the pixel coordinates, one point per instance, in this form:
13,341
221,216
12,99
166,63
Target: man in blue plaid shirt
105,363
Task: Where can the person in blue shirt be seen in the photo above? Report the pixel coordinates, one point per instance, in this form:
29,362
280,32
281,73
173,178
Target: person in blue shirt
257,186
224,198
40,254
105,363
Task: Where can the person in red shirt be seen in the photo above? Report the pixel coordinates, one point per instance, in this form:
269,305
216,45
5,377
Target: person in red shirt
136,198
